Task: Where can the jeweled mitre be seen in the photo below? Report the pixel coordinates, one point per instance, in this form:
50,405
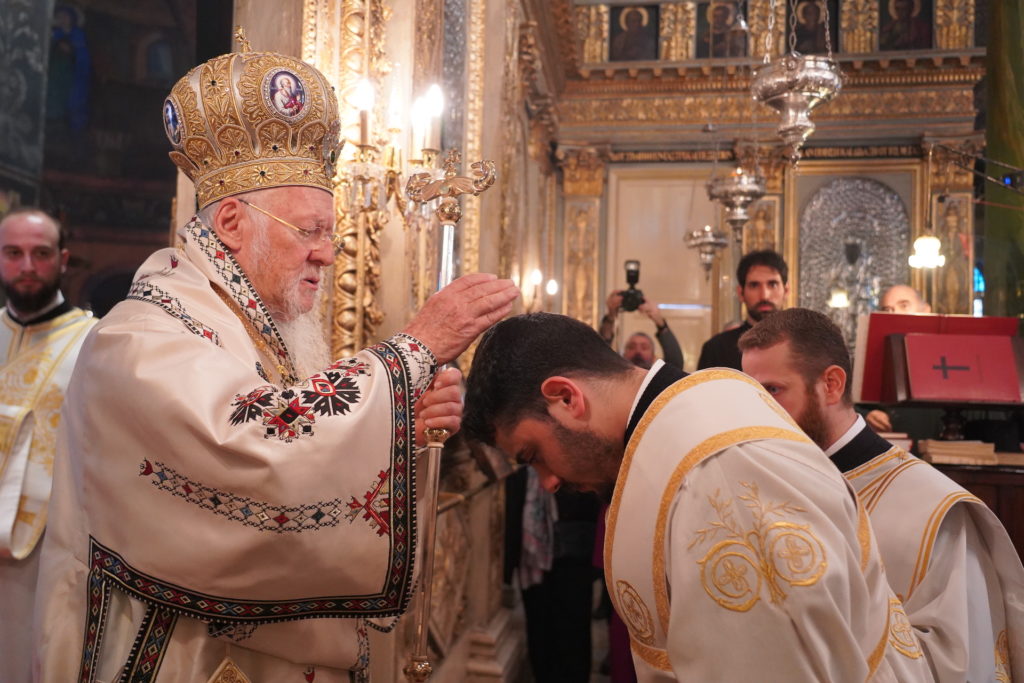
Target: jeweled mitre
252,120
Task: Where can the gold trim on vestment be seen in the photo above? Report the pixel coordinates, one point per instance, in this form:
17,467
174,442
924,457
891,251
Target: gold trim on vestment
228,672
901,633
873,492
658,658
863,534
654,656
924,553
875,462
36,522
879,652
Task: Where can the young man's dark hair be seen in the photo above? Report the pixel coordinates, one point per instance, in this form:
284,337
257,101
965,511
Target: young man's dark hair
815,343
768,258
35,210
517,355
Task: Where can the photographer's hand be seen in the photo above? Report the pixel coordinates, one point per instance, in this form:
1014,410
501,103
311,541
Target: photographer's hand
650,309
607,329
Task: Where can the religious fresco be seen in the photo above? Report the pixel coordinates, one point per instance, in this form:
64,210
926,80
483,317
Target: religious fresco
809,29
763,230
905,24
634,33
719,31
22,51
951,215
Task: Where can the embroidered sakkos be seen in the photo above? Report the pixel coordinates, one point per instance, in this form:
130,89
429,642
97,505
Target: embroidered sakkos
212,505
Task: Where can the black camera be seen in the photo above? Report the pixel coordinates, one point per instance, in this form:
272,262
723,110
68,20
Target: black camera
632,297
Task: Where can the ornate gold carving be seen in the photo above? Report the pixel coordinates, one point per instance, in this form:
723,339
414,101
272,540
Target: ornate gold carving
678,28
512,145
954,24
565,26
474,136
901,633
736,571
734,107
949,159
429,45
540,106
635,613
582,171
335,39
592,22
760,11
858,25
580,267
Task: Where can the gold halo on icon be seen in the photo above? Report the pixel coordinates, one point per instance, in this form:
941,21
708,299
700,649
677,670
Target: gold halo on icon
892,9
645,17
801,11
728,5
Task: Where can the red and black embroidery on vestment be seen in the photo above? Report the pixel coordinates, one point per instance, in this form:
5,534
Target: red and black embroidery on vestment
291,413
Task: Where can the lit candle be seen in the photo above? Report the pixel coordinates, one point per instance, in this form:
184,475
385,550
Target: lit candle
419,118
434,101
363,100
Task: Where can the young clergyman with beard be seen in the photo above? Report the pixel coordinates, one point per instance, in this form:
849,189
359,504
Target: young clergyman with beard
40,336
734,549
762,279
946,555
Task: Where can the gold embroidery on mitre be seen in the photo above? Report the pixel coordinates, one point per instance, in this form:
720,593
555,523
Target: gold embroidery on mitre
736,570
228,672
1002,653
635,613
253,120
901,633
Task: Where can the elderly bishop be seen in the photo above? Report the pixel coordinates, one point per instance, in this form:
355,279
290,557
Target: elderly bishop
229,503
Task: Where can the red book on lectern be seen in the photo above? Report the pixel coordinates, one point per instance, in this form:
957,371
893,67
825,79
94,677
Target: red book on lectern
873,329
961,367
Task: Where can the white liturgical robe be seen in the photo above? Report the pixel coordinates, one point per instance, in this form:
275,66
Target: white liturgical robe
946,555
38,358
735,551
215,518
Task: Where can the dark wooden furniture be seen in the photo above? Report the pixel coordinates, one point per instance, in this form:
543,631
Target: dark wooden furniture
1002,489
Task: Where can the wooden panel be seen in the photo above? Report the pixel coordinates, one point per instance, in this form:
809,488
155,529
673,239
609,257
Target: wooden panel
1002,489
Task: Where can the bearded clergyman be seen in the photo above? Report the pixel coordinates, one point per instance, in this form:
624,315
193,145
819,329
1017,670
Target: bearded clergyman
230,504
40,336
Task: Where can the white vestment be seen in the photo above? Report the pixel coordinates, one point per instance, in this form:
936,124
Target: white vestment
209,517
37,363
735,551
948,558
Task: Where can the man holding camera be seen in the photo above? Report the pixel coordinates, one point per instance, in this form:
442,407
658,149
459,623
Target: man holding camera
639,347
762,279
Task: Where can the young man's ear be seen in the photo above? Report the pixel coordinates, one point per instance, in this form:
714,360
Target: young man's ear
564,397
835,384
227,223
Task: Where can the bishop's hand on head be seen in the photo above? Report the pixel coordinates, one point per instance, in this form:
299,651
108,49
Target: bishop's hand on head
452,318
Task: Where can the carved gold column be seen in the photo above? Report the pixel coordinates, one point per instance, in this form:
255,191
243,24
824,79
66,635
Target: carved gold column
345,41
760,12
858,25
474,134
583,172
678,27
592,23
954,24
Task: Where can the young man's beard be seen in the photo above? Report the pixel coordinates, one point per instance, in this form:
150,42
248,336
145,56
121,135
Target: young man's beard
756,315
587,452
28,303
812,420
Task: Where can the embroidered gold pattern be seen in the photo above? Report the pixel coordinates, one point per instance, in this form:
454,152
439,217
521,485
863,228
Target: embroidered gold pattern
228,672
901,633
924,553
635,613
1002,654
771,555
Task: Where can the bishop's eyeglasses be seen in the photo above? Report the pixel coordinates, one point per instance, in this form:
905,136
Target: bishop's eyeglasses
313,236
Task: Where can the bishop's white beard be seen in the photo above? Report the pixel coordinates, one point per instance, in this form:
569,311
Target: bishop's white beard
306,339
304,334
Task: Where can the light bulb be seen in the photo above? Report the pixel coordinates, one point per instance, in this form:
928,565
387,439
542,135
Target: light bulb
552,287
434,101
363,95
536,277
